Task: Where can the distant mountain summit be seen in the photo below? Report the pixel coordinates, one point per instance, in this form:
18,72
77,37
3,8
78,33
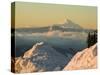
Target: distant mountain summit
70,24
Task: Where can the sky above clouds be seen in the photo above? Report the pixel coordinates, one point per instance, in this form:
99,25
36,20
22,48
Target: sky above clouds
29,14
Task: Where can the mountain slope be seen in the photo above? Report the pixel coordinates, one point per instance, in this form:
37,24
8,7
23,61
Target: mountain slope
86,59
40,57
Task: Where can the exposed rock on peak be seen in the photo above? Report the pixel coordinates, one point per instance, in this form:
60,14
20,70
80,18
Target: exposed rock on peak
24,66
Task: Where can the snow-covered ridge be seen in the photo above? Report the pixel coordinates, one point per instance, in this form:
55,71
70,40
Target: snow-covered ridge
30,52
86,59
41,57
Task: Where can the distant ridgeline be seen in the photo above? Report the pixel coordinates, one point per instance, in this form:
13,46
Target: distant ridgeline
68,26
92,38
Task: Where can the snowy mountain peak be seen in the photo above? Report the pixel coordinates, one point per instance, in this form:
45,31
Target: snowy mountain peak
33,50
70,24
37,45
67,21
41,59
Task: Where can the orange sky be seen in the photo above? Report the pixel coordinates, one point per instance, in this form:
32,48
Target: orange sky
40,15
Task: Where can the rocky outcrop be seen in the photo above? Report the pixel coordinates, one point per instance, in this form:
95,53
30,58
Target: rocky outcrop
86,59
24,66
